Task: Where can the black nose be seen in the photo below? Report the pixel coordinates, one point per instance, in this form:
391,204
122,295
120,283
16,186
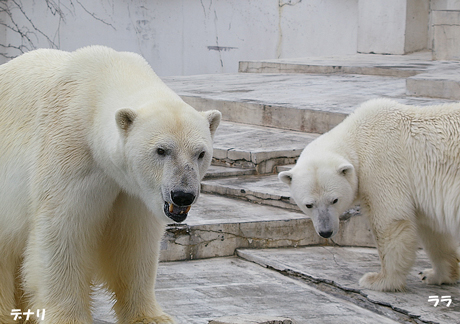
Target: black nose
327,234
182,198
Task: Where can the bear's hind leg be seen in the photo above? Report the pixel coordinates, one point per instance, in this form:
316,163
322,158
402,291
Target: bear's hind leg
397,244
441,248
129,258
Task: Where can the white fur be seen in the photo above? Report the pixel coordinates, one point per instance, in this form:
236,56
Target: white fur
404,169
83,185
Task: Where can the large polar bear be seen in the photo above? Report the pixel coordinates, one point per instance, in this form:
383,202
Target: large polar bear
97,155
402,163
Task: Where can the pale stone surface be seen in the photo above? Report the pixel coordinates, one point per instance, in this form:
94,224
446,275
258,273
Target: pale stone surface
343,267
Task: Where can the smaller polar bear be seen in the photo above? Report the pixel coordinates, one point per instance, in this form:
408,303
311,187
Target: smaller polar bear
402,164
97,156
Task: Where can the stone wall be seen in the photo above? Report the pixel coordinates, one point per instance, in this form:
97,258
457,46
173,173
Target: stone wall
183,37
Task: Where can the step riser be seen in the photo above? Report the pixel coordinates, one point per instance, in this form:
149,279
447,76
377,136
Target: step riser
207,241
304,120
444,89
272,67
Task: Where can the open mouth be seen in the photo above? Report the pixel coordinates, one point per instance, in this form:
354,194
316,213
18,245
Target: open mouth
176,213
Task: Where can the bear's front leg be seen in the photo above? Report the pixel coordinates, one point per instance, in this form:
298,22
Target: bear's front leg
396,243
129,259
60,257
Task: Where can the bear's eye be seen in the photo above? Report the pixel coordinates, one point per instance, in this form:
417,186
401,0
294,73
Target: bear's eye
161,151
335,201
309,206
201,155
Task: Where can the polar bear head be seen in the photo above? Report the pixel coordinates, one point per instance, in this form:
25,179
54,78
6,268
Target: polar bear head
324,186
165,152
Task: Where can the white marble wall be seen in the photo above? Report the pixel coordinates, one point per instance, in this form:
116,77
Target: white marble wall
183,37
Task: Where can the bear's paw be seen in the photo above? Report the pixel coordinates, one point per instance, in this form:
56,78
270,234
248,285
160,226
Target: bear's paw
430,277
376,281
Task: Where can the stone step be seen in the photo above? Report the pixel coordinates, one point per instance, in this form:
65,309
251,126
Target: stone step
443,83
425,77
260,189
217,226
402,66
257,148
312,103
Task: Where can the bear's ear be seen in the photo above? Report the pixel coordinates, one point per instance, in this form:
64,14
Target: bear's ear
286,177
345,168
213,117
125,118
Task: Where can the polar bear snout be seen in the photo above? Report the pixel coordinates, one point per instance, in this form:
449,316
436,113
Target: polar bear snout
179,204
182,198
325,222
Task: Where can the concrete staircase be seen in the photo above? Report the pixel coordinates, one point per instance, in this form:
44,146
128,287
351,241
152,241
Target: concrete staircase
229,261
271,110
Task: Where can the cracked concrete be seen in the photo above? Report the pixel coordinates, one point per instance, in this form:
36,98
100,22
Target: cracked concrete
320,264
